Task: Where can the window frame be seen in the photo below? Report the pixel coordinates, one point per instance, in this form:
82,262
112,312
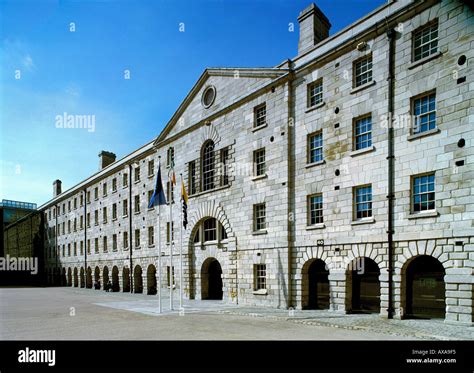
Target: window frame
256,225
354,71
355,136
309,148
257,116
262,164
310,211
420,30
260,277
413,100
355,203
412,193
310,86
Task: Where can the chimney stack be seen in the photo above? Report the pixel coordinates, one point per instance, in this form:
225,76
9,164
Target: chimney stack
105,159
57,188
314,27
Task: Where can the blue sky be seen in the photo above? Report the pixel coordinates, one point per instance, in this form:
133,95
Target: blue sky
46,70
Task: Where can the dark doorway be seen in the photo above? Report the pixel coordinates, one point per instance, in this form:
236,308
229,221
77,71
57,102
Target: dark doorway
115,279
89,278
137,275
76,278
318,286
425,288
69,277
151,280
211,280
83,283
97,278
365,286
126,280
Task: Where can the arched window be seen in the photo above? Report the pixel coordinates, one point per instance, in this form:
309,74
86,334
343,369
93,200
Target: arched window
210,230
207,166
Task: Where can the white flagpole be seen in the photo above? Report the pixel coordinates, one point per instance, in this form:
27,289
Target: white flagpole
181,251
171,236
159,249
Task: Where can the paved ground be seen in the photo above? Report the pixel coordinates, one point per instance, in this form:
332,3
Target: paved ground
71,313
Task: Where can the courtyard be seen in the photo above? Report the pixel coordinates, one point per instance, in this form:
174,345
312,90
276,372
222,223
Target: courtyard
60,313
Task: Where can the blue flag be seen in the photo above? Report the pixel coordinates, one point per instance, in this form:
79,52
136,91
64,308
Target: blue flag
158,197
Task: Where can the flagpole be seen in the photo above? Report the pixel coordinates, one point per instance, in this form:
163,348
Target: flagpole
181,253
159,248
171,236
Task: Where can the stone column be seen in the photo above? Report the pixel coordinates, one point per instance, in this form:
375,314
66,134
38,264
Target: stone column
337,290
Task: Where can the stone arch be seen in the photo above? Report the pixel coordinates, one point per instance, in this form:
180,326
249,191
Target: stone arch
89,278
211,279
205,210
151,280
69,277
363,286
315,292
82,279
210,133
126,280
97,283
138,280
63,277
76,278
105,276
115,279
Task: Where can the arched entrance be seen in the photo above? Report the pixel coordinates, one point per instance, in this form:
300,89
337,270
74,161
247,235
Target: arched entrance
97,278
151,280
81,275
106,276
126,280
425,289
364,283
69,277
115,279
63,277
76,278
138,281
315,294
211,279
89,278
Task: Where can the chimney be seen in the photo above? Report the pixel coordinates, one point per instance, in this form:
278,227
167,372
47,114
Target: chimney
105,158
57,188
314,27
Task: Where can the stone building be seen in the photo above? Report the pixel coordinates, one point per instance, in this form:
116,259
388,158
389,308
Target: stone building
339,179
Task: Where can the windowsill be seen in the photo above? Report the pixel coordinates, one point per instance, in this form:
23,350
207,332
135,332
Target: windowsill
114,219
151,208
125,249
125,186
314,164
315,226
136,181
423,134
151,246
363,221
315,107
104,222
137,247
96,224
259,177
258,233
151,176
114,191
125,216
255,129
425,214
105,195
209,191
260,292
210,243
355,153
362,87
424,60
136,213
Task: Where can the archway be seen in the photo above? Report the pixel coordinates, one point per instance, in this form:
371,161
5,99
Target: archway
97,278
115,279
76,278
126,280
211,279
425,288
81,275
105,276
69,277
63,277
364,283
151,280
89,278
138,281
315,291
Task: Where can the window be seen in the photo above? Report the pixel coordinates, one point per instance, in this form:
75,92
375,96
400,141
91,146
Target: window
137,174
64,250
125,240
423,193
315,93
114,211
424,112
125,207
137,238
75,224
69,206
208,166
88,197
49,215
96,193
315,209
150,194
104,214
64,227
362,71
75,248
260,115
208,96
125,180
88,219
225,166
96,245
363,202
259,162
75,203
170,157
82,199
425,41
315,147
223,233
114,242
192,178
68,249
137,204
68,226
210,230
169,192
105,244
81,222
260,274
151,236
259,217
81,248
88,247
114,184
64,208
363,133
168,232
168,275
96,217
151,167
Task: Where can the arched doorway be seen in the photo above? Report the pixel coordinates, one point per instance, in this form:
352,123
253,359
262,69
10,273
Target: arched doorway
115,279
126,280
106,276
151,280
81,275
363,278
76,278
69,277
138,281
211,279
89,278
315,285
425,289
63,277
97,278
